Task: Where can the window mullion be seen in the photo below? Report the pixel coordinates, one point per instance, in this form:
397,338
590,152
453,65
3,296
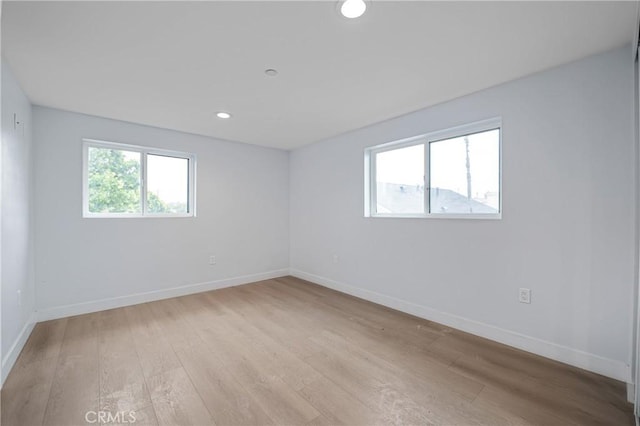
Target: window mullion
374,185
143,188
427,179
85,179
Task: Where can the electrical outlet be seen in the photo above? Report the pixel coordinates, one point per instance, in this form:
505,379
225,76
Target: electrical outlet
524,295
212,260
336,258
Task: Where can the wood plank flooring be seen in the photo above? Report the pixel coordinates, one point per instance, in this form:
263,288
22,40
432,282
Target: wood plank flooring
288,352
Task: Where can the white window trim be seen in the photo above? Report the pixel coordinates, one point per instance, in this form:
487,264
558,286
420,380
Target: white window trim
426,139
143,150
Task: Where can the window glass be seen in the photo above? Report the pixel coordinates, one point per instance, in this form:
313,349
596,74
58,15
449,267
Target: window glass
400,180
465,174
114,181
167,184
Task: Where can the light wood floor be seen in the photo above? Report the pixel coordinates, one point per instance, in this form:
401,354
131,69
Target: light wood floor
289,352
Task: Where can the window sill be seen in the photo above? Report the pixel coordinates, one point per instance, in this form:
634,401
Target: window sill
436,216
136,216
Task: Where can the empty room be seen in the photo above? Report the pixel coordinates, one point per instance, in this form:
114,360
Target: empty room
341,212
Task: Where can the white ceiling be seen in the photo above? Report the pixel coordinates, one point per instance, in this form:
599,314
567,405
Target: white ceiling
175,64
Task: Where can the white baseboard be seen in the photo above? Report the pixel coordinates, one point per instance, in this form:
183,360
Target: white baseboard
10,358
134,299
607,367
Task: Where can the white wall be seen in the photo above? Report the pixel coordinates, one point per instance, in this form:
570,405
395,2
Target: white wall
635,398
17,231
567,230
242,218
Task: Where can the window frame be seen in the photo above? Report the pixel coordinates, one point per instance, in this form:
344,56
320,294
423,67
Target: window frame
144,152
370,156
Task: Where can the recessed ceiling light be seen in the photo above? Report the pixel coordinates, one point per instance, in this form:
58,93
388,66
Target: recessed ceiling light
271,72
353,8
223,114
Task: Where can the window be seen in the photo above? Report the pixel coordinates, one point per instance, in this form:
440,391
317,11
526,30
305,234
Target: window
454,173
132,181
